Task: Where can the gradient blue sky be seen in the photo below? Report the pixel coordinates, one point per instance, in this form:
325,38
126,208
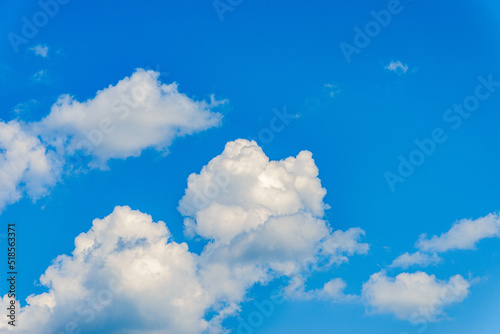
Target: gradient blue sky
267,55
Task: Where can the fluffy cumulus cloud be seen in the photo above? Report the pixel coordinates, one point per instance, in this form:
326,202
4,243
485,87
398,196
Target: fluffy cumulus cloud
264,216
26,167
417,297
241,189
260,220
241,201
125,275
420,297
120,121
243,185
137,113
464,234
407,260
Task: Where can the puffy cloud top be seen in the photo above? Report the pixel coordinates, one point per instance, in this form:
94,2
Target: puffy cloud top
126,275
241,189
416,297
121,121
263,212
139,112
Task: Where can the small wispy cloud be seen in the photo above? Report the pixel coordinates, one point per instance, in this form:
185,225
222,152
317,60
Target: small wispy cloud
41,50
407,260
464,234
23,110
332,89
40,77
397,66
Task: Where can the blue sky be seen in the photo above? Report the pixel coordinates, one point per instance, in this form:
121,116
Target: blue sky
356,114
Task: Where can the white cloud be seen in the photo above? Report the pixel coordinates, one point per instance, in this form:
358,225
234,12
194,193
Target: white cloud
41,77
41,50
397,66
332,89
264,216
127,274
332,290
334,248
342,243
407,260
25,165
25,107
241,189
121,121
464,234
281,246
241,200
416,297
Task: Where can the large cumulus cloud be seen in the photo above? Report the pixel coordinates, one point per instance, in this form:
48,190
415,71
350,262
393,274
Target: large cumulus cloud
264,212
127,275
